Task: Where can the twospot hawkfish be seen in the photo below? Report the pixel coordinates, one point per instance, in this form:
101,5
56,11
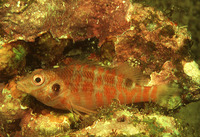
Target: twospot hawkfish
86,87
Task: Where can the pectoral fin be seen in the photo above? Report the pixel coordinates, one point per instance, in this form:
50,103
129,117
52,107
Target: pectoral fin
82,109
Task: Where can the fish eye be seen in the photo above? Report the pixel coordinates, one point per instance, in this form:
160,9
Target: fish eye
38,79
56,87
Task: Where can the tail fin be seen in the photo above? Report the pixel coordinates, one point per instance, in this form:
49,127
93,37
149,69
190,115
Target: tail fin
168,96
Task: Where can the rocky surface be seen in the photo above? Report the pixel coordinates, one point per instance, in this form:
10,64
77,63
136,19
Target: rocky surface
126,123
76,19
185,13
12,57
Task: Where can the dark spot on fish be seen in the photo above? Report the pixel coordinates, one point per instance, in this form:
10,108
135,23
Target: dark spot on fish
128,82
56,87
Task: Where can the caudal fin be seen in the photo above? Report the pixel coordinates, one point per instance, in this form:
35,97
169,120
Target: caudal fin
168,95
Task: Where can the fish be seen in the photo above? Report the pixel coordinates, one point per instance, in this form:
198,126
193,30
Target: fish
86,87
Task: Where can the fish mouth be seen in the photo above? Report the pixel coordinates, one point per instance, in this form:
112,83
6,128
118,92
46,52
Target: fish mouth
20,86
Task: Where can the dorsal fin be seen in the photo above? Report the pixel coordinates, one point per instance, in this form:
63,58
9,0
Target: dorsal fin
132,73
71,61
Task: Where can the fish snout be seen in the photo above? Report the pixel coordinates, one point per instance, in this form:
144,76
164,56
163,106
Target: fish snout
20,86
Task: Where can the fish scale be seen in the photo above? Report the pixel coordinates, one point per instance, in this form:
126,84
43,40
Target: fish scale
86,87
111,86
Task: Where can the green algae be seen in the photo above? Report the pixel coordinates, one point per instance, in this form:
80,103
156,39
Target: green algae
154,130
20,52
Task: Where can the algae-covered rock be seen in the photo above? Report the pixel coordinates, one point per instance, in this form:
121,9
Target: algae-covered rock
11,110
107,52
79,20
185,13
12,58
47,50
152,47
192,70
51,124
126,123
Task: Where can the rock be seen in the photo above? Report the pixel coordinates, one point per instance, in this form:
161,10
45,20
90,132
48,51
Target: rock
76,19
11,110
192,70
126,123
44,125
12,59
151,39
47,50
